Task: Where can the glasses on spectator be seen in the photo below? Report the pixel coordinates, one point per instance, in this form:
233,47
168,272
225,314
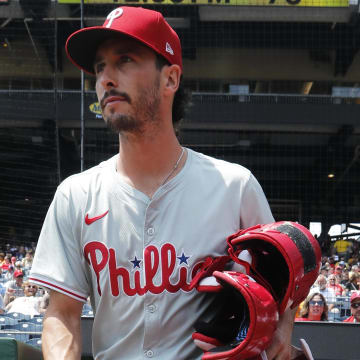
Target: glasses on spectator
316,302
355,306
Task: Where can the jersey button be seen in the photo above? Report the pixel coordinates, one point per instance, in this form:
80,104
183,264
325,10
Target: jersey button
152,308
150,231
149,353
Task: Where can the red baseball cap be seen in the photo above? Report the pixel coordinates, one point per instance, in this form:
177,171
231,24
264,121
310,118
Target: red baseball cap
18,273
354,296
144,25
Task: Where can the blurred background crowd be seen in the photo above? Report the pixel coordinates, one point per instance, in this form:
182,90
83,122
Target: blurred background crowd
335,296
17,295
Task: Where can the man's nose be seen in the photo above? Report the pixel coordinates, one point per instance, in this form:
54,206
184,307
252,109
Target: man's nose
108,80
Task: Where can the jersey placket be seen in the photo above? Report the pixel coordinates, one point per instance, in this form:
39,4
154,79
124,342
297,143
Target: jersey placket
151,307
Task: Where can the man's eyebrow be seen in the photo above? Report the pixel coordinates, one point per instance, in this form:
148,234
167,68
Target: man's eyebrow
118,51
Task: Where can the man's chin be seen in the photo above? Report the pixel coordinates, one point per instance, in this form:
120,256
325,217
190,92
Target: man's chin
123,124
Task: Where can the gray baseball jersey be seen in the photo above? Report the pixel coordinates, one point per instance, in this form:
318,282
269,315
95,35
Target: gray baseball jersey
135,256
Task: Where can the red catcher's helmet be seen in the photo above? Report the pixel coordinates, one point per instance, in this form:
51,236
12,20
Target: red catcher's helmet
285,259
246,318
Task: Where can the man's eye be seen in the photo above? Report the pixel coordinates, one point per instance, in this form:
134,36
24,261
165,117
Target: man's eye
99,68
125,59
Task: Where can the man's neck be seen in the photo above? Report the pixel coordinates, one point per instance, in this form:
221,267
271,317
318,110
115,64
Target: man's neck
145,163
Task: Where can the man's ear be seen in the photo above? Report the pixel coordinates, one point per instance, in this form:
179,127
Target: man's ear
171,78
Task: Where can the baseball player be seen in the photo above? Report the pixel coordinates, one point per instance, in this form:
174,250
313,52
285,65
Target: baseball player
131,232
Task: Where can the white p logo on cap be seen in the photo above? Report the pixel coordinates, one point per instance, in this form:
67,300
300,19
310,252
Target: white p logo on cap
116,13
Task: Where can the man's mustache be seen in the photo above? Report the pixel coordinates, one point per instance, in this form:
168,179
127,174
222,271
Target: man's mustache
114,93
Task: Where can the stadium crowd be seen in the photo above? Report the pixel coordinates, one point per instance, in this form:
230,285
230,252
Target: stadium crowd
335,296
16,293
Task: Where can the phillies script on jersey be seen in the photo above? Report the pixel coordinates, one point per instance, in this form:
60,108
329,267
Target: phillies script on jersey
164,260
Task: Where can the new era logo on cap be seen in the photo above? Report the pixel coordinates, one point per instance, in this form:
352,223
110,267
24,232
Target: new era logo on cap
169,49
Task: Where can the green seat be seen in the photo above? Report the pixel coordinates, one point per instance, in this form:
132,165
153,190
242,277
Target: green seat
11,349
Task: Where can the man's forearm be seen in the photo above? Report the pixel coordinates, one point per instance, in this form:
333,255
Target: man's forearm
61,338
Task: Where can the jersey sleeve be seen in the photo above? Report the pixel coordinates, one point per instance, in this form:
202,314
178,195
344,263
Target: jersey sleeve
255,208
58,262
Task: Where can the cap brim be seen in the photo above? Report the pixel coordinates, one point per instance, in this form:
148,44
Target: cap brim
82,45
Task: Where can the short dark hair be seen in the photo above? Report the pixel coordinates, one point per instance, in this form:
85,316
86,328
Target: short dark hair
181,98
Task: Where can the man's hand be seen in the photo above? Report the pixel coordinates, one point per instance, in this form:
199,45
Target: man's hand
280,347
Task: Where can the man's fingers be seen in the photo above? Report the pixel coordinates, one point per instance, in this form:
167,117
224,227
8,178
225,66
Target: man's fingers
306,349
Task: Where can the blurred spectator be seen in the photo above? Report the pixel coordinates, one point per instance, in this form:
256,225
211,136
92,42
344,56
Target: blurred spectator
14,287
327,293
338,273
21,252
324,271
354,308
7,262
352,284
314,308
344,278
9,274
1,305
28,260
343,248
2,258
334,285
355,268
27,304
13,260
332,261
18,265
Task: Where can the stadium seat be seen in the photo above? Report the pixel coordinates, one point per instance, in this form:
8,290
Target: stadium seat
5,320
34,342
35,320
18,316
24,326
15,336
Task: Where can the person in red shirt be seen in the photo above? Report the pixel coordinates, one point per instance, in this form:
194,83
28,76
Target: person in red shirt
333,284
355,308
314,308
5,265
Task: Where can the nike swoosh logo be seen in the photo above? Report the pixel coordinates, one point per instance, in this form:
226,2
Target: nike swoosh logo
89,220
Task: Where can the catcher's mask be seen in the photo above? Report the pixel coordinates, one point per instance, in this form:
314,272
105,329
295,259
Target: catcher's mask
245,320
285,259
